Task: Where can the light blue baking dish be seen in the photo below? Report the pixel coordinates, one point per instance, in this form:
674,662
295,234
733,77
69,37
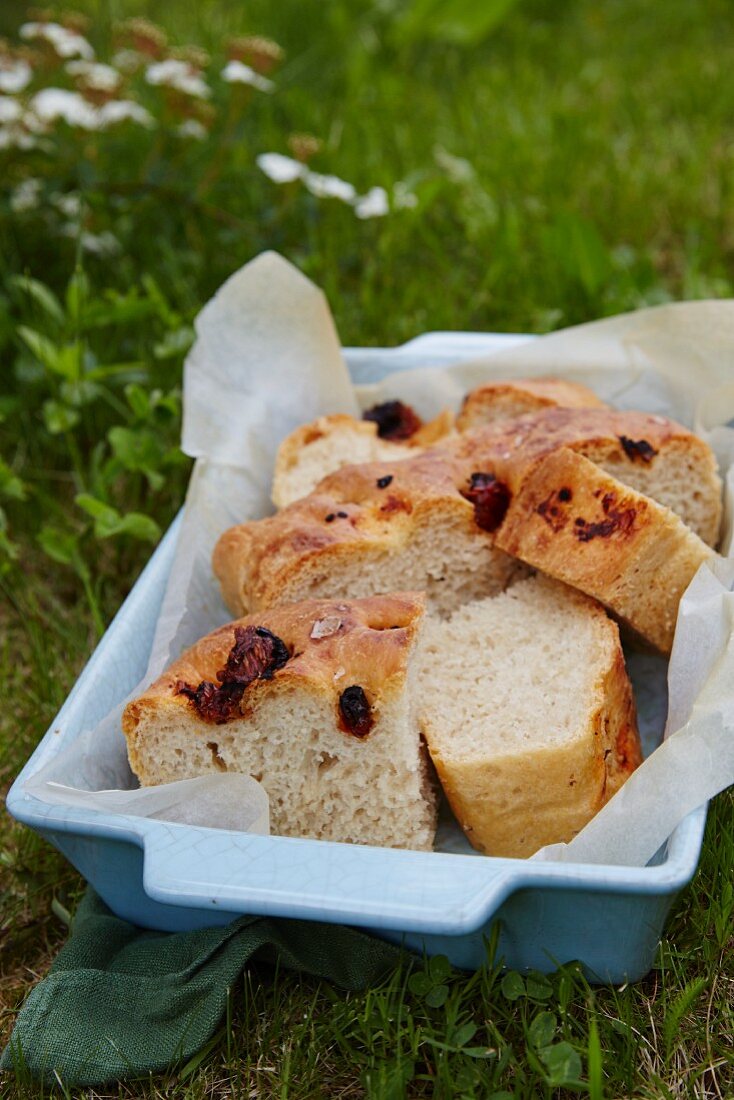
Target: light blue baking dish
177,877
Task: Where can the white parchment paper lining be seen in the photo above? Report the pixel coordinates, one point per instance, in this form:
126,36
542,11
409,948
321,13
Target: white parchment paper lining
267,358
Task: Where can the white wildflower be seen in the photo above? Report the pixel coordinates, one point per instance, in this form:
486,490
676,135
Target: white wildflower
127,60
280,169
123,110
329,187
15,74
66,43
100,244
236,72
12,137
456,168
102,78
10,109
179,75
402,197
192,128
26,195
51,104
70,204
372,205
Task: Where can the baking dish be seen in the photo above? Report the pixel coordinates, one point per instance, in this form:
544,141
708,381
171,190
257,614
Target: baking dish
173,877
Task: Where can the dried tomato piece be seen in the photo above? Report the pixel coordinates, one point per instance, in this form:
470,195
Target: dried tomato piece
491,499
256,654
394,420
637,448
355,711
214,702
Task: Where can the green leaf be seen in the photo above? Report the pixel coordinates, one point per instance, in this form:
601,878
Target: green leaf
562,1064
462,22
108,522
41,295
691,991
44,349
58,417
176,342
464,1034
79,393
513,987
420,983
542,1029
596,1063
437,996
11,485
538,986
139,526
62,546
138,400
138,449
77,292
439,968
8,548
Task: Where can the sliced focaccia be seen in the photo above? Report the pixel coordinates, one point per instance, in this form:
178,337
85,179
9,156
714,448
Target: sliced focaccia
314,450
314,701
508,398
528,713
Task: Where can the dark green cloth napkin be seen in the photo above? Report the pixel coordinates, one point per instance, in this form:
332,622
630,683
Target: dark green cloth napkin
120,1001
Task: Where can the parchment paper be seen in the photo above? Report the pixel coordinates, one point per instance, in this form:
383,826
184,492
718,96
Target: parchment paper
267,358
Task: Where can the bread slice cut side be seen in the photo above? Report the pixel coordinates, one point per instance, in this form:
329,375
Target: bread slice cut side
509,398
315,450
574,522
528,714
368,529
654,455
332,734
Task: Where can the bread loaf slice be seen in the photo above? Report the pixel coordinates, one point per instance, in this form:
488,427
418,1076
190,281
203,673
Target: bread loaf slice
317,449
528,713
652,454
452,520
506,399
368,529
315,702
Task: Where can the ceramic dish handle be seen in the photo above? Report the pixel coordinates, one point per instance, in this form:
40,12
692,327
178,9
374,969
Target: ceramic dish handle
318,880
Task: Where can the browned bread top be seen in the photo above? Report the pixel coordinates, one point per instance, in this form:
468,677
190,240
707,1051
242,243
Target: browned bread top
328,642
514,397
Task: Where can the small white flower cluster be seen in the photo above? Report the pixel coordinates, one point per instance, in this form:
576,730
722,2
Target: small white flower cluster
173,73
374,204
65,42
27,196
102,78
54,104
236,72
15,74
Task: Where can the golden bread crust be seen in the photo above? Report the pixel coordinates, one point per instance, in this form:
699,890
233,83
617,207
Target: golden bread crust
365,642
563,786
612,542
497,400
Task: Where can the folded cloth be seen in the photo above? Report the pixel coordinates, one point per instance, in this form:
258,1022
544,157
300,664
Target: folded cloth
121,1001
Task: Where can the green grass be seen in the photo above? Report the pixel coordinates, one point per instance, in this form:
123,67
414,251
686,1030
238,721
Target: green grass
597,140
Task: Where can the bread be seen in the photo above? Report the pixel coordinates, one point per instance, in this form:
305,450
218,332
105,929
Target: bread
651,454
317,449
451,521
503,400
528,713
328,726
314,450
379,527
